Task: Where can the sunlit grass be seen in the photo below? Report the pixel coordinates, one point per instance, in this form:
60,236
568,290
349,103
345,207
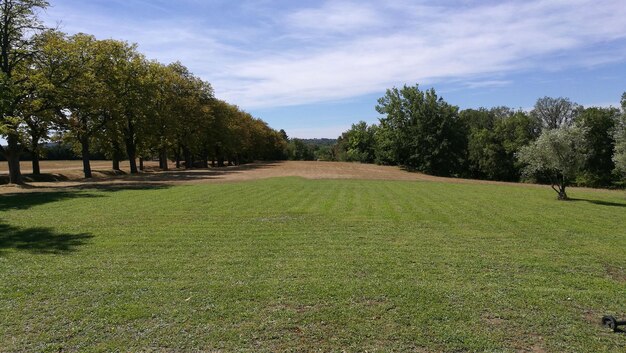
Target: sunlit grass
293,264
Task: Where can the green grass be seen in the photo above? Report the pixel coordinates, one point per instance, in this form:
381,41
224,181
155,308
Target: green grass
292,264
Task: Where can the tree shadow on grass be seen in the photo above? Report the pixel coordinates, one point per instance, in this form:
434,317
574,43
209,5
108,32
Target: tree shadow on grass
26,200
40,240
23,201
601,203
118,186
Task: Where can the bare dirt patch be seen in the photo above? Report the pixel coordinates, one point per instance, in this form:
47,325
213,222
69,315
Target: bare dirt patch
493,320
68,174
616,273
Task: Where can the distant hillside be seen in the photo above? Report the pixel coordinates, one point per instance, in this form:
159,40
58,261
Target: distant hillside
319,142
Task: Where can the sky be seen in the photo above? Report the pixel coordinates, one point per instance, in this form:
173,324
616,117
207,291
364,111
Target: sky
314,68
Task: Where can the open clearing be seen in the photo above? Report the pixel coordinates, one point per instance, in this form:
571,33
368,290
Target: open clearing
294,264
61,175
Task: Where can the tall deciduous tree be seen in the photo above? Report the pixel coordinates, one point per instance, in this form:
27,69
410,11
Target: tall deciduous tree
554,113
124,72
358,144
599,124
83,100
425,131
18,21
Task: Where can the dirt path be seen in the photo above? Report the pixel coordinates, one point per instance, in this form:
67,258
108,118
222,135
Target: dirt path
67,175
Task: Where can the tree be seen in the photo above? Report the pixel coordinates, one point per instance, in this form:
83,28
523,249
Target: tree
83,102
19,25
358,144
619,158
38,104
559,154
191,110
424,130
36,127
384,153
483,155
554,113
300,151
123,73
494,136
160,132
599,124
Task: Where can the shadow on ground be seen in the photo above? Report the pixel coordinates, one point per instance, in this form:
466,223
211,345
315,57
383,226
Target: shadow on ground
197,174
40,240
47,194
23,201
42,178
601,203
150,179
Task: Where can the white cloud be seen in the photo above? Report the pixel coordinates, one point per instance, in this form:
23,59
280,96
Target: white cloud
434,43
336,17
346,49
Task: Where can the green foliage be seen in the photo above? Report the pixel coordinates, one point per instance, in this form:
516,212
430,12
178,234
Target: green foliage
301,151
599,125
106,96
554,113
384,149
325,153
558,153
493,139
619,157
19,28
286,265
423,130
358,144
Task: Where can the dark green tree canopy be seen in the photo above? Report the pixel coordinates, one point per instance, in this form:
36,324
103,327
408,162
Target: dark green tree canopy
423,128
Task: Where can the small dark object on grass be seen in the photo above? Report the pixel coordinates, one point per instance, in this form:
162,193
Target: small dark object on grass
612,323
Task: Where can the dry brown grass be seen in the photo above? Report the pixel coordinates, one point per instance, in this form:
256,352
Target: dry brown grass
68,174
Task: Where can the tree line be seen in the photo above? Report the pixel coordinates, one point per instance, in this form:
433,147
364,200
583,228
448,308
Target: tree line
106,96
558,141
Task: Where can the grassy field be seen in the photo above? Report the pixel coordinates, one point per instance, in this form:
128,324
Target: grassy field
312,265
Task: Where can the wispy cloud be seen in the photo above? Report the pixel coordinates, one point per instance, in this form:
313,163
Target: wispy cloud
338,50
487,83
336,17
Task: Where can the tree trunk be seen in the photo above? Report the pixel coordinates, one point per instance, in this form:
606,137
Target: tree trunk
131,147
117,155
36,168
13,158
188,158
84,142
163,159
177,159
34,146
131,150
132,159
560,191
141,166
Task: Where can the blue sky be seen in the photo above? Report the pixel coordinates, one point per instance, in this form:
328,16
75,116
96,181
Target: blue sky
315,67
